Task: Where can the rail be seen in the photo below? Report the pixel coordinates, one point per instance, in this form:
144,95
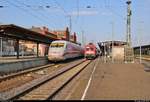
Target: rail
6,77
16,92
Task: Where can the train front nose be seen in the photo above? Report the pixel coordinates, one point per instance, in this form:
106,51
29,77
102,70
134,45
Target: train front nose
56,57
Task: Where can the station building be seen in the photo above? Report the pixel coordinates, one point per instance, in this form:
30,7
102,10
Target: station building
8,46
113,49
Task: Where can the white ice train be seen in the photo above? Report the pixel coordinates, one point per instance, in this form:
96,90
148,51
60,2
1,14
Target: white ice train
60,50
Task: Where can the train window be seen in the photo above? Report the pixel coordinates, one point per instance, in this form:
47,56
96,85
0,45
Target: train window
57,45
92,49
53,45
60,44
87,49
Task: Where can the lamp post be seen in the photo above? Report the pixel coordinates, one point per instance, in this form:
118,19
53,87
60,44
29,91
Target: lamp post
140,37
129,55
128,38
112,40
70,23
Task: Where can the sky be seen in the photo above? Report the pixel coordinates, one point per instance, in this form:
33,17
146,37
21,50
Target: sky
92,20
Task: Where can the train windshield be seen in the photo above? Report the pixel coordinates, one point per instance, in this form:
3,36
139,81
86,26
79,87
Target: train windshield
58,45
92,49
89,49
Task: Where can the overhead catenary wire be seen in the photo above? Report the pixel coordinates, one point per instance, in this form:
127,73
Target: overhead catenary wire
107,3
117,14
26,11
62,8
51,13
107,6
77,10
42,15
66,13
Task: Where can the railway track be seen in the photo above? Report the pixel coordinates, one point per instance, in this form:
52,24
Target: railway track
7,77
48,86
18,79
15,80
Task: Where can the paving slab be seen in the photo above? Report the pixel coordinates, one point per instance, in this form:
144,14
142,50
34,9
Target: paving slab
119,82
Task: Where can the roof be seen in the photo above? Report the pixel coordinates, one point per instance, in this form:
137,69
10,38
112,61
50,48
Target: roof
90,44
116,43
143,46
17,32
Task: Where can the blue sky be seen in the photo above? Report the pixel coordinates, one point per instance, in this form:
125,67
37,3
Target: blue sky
95,22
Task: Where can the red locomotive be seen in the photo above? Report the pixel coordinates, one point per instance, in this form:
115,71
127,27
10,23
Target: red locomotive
90,51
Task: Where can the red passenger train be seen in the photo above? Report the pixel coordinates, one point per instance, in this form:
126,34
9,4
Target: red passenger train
90,51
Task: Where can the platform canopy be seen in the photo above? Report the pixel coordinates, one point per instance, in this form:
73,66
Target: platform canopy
20,33
143,46
109,43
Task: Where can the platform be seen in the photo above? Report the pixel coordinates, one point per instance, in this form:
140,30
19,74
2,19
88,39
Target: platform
14,59
11,64
119,82
110,81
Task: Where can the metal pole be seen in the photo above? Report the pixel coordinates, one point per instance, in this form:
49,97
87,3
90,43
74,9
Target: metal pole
17,48
109,49
82,38
140,37
112,41
129,56
104,53
70,20
37,49
128,38
1,46
140,54
22,50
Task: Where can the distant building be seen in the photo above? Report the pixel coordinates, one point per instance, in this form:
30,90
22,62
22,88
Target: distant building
7,47
43,49
65,35
57,34
113,49
73,38
62,34
27,47
107,45
30,48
